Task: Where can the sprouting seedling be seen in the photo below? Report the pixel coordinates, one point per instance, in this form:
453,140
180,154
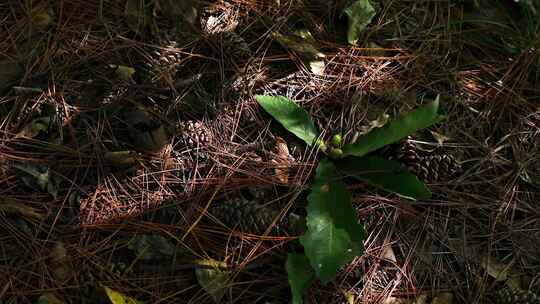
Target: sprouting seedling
334,237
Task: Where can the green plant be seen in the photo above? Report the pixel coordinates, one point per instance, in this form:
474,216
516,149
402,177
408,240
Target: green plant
334,236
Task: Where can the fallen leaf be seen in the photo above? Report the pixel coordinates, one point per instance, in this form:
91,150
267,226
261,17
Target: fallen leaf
213,280
443,298
121,158
60,262
116,297
49,298
317,67
495,269
36,126
123,72
300,42
388,254
282,160
17,207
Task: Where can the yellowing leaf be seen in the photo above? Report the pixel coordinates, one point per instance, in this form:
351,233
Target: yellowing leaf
302,43
116,297
213,279
61,266
443,298
36,126
124,72
495,269
18,207
121,158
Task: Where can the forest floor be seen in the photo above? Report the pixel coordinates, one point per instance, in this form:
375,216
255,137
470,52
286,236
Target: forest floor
123,124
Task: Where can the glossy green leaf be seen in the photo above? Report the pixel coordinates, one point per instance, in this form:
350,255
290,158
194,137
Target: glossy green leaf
300,275
295,119
334,236
395,130
359,13
386,174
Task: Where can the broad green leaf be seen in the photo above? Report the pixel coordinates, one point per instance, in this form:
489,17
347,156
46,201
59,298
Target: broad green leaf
386,174
396,130
295,119
213,279
300,275
116,297
334,236
359,13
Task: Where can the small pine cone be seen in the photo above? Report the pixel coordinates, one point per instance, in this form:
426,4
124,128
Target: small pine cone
509,296
163,64
434,168
404,152
194,134
251,217
430,168
232,44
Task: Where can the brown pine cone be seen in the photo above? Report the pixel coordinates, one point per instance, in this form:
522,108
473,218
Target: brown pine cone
194,134
434,168
232,44
251,217
162,64
429,168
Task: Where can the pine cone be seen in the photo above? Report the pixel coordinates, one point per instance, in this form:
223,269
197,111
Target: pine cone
194,134
434,168
429,168
404,152
163,64
232,44
251,217
509,296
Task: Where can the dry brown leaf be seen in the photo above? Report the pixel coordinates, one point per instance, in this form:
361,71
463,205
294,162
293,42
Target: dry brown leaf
282,160
16,207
